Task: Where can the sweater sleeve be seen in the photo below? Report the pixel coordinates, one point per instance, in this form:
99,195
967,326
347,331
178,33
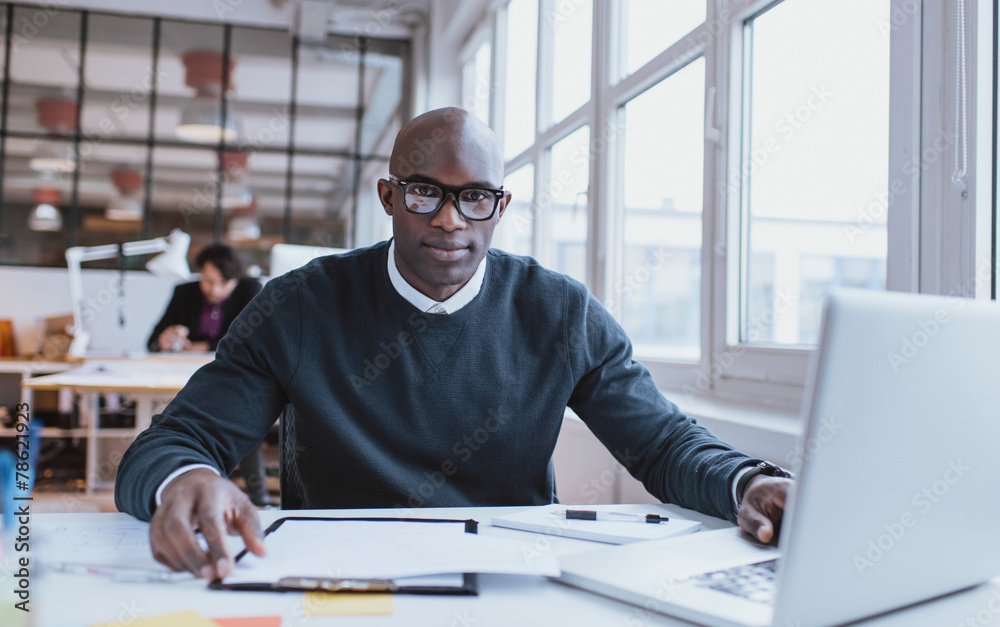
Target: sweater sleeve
677,460
227,406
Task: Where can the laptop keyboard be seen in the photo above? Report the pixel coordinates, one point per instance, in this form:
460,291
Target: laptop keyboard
752,581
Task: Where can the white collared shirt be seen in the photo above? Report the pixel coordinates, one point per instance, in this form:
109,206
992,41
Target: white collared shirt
424,303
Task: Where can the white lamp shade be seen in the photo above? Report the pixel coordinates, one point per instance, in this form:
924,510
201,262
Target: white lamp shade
173,262
124,208
45,217
201,122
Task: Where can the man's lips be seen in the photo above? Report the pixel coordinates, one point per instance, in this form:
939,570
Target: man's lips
445,251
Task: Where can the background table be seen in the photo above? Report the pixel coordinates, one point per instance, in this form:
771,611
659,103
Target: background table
152,380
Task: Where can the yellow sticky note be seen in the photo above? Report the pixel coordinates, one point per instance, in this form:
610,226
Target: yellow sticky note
177,619
346,603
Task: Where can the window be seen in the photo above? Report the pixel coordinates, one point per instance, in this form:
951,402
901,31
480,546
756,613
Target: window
519,79
231,133
564,204
476,82
659,288
715,167
514,234
811,106
571,24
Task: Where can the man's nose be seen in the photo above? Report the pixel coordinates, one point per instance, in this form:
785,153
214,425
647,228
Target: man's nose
448,216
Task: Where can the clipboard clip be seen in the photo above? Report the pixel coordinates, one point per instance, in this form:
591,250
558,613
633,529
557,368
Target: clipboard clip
336,584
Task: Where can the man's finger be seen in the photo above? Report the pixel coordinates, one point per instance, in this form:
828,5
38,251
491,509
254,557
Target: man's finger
213,528
246,524
179,538
756,524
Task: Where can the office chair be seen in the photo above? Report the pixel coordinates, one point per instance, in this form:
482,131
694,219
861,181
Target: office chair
290,482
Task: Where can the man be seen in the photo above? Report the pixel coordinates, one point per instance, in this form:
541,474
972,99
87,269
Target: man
424,371
199,314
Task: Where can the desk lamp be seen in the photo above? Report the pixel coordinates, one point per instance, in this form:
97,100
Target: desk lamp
172,263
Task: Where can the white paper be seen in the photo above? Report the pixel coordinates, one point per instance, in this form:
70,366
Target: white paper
385,550
541,520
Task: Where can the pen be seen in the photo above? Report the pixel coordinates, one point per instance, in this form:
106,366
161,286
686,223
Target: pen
120,573
589,514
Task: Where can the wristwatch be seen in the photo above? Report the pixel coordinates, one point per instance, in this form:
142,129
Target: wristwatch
763,468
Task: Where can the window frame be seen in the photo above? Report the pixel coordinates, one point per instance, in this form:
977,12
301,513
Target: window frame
927,253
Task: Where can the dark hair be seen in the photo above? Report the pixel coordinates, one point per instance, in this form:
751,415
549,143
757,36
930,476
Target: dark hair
222,257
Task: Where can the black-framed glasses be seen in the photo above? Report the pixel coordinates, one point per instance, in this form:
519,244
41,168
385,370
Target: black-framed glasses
425,198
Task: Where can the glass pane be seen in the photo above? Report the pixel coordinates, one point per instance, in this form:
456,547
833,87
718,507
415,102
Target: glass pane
33,237
567,199
254,204
818,115
571,47
184,194
322,200
111,198
327,98
383,99
262,86
189,107
517,225
659,290
652,26
119,71
519,83
476,82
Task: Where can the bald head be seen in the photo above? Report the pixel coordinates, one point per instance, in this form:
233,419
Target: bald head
446,135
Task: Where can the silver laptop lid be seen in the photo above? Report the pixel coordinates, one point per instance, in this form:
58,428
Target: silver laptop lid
897,499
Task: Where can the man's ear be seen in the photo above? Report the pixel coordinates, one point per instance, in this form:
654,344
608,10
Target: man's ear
503,206
385,195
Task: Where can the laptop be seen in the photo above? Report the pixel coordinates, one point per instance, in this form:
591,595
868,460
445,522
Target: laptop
896,498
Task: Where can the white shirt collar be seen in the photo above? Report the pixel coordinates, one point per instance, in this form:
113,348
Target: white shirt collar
424,303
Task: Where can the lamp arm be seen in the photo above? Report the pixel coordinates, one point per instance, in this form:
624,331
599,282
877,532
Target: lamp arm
77,255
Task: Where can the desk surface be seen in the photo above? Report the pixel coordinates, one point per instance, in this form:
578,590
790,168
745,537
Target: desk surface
62,600
154,375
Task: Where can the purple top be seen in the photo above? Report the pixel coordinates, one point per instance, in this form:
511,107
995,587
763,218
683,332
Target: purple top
210,322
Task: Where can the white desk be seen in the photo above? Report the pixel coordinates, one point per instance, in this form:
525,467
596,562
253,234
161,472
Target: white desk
152,380
504,600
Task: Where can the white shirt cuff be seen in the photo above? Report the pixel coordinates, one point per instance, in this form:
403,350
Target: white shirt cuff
736,481
177,473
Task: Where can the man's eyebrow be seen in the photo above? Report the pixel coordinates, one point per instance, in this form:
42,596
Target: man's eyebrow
426,179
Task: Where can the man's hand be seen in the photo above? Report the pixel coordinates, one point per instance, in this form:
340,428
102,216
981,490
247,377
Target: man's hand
174,338
762,507
203,501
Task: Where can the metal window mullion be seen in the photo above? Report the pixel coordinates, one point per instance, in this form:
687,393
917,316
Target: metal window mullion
74,210
600,196
4,108
227,37
147,201
286,223
352,215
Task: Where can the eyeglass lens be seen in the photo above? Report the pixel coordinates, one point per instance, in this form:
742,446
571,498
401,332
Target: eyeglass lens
426,198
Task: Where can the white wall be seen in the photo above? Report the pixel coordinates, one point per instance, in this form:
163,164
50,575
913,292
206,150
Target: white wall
29,295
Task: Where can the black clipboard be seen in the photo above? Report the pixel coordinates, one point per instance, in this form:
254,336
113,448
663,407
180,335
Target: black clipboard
469,585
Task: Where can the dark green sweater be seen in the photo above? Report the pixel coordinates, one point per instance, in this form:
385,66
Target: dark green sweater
398,408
